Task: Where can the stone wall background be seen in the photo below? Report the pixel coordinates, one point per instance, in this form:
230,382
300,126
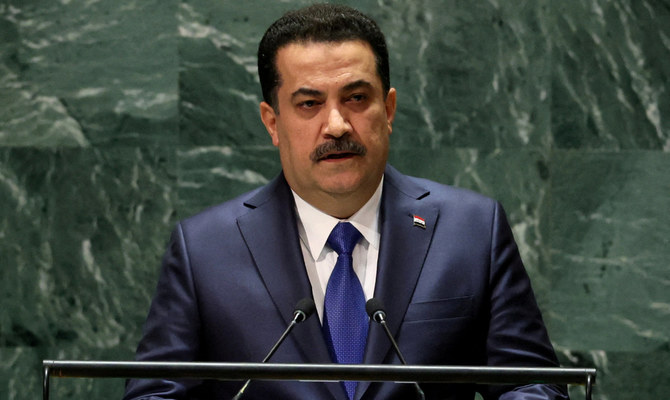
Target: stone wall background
117,118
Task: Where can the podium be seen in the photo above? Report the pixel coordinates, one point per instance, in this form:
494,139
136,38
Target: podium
316,372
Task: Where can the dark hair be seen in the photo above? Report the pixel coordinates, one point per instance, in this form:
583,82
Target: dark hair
318,23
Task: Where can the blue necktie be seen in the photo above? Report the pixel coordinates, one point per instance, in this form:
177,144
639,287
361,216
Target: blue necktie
345,321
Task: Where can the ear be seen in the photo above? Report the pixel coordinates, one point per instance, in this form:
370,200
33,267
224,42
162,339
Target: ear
390,105
269,119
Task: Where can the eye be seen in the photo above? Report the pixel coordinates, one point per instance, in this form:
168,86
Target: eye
357,97
307,104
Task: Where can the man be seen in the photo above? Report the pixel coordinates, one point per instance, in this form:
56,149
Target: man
443,260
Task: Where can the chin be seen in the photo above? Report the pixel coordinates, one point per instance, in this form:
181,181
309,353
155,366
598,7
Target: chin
340,189
340,186
345,185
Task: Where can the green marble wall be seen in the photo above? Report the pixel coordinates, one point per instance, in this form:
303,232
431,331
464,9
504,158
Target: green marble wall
119,117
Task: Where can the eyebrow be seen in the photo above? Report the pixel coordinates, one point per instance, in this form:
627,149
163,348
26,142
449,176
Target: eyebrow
356,85
306,92
361,83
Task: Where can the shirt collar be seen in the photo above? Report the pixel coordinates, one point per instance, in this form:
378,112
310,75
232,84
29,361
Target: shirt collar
315,226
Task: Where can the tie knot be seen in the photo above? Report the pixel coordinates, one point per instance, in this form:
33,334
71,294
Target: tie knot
343,238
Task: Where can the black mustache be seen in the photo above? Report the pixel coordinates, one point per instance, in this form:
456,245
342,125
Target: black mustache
344,144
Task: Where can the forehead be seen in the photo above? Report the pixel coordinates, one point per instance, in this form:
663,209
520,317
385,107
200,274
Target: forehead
312,64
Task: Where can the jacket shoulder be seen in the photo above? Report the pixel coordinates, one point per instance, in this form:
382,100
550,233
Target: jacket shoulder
227,213
438,194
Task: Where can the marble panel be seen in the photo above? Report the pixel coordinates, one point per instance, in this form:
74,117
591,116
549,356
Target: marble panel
622,374
211,175
218,82
631,375
85,73
611,74
19,372
473,75
606,249
82,232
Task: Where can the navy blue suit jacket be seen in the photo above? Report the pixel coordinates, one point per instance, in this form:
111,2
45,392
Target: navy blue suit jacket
456,293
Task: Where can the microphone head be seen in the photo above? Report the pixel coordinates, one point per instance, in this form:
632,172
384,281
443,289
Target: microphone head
375,309
304,309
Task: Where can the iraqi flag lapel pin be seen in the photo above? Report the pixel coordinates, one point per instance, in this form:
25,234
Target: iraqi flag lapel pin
420,222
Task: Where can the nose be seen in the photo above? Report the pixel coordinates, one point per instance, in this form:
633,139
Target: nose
337,124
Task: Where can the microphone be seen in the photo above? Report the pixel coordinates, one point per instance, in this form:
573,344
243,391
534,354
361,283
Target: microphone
303,310
375,310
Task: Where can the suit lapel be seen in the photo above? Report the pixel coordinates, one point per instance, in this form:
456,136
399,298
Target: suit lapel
270,232
402,253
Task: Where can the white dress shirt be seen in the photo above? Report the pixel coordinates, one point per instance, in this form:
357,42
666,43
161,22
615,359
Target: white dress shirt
314,227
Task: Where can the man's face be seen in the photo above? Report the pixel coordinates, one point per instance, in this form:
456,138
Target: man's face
333,122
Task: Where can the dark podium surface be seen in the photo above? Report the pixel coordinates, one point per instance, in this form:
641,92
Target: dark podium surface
317,372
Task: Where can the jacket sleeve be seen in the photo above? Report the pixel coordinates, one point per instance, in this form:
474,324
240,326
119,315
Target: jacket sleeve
172,327
516,336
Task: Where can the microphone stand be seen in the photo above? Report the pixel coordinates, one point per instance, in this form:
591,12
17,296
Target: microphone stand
304,310
377,313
